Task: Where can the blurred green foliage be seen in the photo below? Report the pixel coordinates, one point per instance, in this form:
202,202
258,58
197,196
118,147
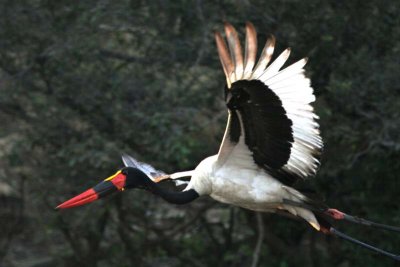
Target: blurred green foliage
83,81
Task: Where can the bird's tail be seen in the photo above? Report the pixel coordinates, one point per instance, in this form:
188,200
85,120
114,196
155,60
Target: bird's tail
327,216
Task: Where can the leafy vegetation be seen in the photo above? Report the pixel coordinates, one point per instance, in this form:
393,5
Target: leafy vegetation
81,82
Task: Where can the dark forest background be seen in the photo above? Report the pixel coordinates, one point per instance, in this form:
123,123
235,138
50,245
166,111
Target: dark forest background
83,81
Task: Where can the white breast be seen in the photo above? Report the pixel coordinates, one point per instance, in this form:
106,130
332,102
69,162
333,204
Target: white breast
201,180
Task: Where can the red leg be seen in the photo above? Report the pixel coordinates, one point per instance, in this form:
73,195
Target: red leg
335,214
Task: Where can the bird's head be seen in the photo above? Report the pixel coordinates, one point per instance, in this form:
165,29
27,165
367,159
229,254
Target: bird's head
126,178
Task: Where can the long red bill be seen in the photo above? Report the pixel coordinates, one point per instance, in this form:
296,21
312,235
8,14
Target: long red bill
110,185
84,198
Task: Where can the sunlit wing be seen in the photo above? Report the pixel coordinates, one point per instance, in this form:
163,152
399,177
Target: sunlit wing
154,174
271,122
149,170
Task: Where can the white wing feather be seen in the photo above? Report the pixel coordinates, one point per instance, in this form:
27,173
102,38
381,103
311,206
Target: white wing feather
149,170
294,90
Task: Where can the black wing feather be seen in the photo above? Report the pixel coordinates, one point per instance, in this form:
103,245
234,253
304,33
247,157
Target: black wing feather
267,129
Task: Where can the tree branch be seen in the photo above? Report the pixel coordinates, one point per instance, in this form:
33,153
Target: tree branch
257,250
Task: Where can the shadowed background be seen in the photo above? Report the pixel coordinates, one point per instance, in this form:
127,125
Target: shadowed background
82,82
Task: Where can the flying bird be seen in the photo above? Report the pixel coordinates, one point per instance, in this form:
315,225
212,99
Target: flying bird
272,140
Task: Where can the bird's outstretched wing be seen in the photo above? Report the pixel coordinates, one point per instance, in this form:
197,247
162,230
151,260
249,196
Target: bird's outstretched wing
149,170
154,174
271,121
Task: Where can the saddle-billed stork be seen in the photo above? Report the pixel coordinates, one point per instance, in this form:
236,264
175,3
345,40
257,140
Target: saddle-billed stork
271,141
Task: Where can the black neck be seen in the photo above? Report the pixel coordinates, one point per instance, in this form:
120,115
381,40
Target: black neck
180,198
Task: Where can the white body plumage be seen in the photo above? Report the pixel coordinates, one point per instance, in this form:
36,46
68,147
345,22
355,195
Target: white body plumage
242,183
